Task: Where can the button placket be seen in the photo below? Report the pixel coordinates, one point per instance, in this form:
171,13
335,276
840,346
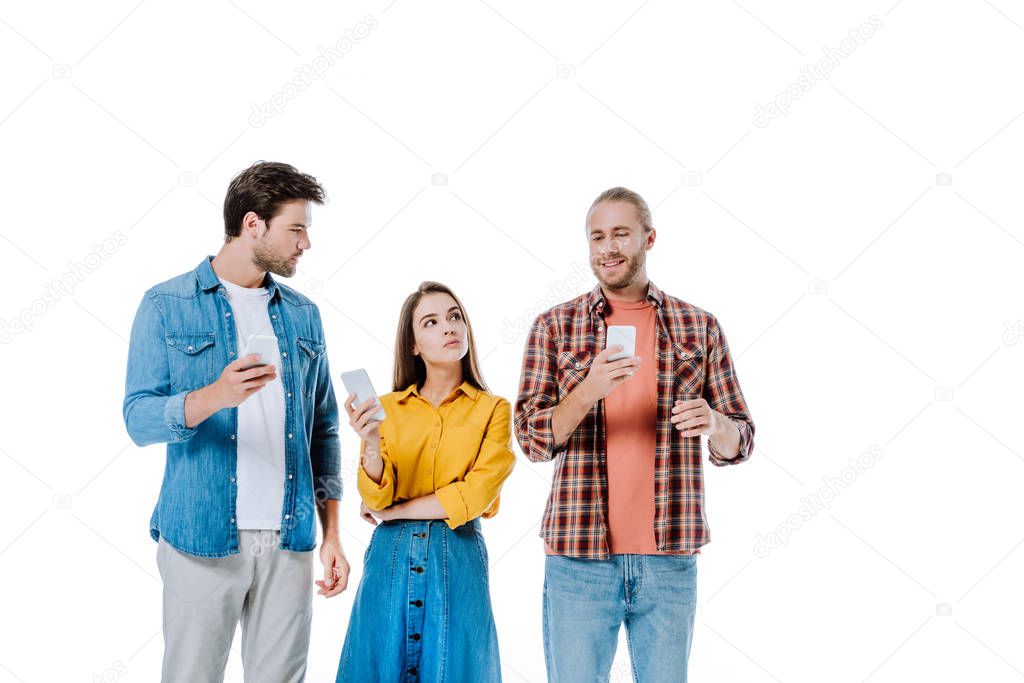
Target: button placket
415,612
279,329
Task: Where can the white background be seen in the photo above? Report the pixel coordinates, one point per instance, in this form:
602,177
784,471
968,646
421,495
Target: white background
867,301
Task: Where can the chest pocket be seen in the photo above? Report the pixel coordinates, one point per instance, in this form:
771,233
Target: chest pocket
573,366
192,360
688,370
310,351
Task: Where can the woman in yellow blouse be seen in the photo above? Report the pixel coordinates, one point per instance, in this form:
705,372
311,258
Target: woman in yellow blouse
428,471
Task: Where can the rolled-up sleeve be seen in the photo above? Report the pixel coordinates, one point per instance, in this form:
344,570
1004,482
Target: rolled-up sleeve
151,413
538,396
723,394
468,499
377,496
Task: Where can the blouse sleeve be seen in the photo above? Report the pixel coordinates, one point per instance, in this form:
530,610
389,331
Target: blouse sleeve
468,499
377,496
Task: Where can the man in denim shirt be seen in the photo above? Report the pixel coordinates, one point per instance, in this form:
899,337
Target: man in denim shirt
252,441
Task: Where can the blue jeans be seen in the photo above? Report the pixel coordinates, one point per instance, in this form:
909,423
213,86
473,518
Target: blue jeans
586,602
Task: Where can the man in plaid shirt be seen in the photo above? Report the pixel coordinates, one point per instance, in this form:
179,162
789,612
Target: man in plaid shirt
625,517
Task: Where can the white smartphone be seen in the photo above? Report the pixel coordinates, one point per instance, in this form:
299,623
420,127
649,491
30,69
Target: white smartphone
264,345
358,382
624,335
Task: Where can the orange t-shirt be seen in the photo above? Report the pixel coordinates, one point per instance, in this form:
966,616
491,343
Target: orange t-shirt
631,420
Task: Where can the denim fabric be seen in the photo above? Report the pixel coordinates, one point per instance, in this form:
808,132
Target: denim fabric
586,602
182,338
422,613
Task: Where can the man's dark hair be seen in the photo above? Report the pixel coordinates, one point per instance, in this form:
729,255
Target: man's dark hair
263,188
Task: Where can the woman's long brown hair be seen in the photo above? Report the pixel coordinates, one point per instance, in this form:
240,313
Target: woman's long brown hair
409,368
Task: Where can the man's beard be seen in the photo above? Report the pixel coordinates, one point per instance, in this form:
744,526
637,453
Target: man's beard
634,264
265,258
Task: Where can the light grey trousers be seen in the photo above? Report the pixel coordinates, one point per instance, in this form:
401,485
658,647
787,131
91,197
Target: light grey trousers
269,590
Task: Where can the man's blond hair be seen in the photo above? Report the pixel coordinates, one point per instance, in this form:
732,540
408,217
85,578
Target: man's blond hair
622,194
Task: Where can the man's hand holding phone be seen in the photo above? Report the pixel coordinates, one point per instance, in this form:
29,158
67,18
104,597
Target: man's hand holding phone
604,375
234,385
241,379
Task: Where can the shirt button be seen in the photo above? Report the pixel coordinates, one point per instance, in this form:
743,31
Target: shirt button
415,636
284,354
412,671
232,480
231,353
289,476
273,317
232,437
232,520
228,314
189,347
287,516
289,436
579,366
416,603
289,394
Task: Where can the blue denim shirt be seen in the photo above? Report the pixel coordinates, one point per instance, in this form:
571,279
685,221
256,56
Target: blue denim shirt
182,338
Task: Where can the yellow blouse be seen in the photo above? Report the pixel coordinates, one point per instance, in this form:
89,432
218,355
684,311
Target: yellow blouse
459,451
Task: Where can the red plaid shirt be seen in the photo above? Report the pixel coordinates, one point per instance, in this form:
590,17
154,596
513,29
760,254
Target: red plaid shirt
693,361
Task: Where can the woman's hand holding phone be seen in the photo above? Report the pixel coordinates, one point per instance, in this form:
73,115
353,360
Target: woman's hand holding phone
360,417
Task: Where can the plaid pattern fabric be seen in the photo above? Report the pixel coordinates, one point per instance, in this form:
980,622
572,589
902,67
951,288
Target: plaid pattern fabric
693,362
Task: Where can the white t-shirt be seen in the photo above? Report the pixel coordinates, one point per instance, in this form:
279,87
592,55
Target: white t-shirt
261,463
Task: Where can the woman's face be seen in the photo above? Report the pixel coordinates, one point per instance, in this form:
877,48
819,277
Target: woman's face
439,329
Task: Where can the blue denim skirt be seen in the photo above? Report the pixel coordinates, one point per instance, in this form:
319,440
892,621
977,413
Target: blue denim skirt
422,612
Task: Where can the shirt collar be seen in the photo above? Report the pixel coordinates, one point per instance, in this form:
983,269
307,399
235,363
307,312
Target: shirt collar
412,390
596,297
208,279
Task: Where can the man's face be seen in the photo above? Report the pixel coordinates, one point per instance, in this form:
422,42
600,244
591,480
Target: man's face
618,244
281,240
